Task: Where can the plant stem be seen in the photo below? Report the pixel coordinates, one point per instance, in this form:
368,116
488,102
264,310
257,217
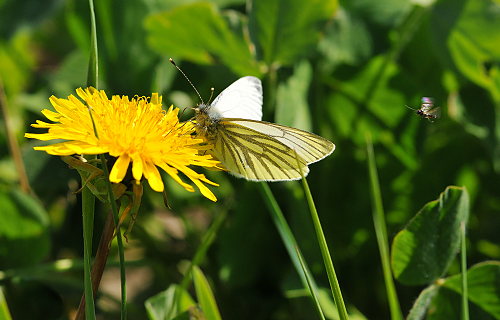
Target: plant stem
100,260
114,210
463,255
291,246
327,259
381,233
92,73
13,144
88,206
88,199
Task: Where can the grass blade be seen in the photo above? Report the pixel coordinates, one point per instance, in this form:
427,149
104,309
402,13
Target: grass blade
88,206
381,233
291,245
463,255
205,295
327,259
88,199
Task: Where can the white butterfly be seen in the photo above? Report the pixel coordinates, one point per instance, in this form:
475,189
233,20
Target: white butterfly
253,149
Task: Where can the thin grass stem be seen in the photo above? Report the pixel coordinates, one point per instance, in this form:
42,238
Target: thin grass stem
327,259
463,255
381,233
121,254
88,199
291,246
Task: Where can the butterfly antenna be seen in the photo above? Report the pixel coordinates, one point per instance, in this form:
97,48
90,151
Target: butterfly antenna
192,85
211,95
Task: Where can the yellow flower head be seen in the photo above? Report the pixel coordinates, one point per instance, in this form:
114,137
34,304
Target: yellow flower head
134,130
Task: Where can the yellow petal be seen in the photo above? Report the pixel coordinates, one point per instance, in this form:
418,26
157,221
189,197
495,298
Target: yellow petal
204,190
153,175
137,168
119,169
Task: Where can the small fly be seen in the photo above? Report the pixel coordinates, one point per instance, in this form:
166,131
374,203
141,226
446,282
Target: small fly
427,109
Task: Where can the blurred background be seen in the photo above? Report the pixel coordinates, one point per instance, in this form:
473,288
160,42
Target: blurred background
340,69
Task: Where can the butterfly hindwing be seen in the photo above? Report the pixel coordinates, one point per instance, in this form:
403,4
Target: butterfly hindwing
256,156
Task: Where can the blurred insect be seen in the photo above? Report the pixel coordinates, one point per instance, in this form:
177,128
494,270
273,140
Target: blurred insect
427,109
250,148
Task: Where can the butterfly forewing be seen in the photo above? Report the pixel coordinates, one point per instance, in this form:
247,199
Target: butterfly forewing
255,156
242,99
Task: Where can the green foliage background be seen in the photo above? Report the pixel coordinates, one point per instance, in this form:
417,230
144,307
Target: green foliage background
341,70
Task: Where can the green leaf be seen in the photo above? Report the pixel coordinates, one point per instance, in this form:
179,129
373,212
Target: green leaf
4,308
205,41
483,286
424,249
469,29
292,108
205,296
24,233
447,305
161,306
286,30
419,308
347,40
17,61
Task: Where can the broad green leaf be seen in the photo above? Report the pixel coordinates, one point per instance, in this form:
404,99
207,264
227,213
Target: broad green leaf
24,233
347,40
292,108
368,101
205,296
483,282
161,306
286,30
173,34
387,12
419,308
469,29
447,305
424,249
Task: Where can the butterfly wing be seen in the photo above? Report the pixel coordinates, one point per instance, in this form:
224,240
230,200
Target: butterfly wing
262,151
254,156
309,146
242,99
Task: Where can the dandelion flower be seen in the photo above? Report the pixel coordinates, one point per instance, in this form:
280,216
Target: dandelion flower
136,132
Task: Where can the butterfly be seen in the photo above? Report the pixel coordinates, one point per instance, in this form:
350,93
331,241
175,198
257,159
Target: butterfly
251,148
427,109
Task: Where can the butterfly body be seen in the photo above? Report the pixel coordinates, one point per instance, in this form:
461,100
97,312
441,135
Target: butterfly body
253,149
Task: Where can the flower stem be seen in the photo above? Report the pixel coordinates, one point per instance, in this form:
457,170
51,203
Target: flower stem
327,259
381,233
